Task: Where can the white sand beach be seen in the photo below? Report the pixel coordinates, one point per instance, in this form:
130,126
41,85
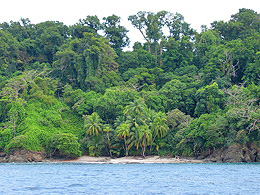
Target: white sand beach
129,160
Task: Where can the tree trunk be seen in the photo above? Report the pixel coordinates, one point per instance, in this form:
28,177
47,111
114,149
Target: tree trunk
109,145
160,55
152,142
144,150
149,48
126,148
156,53
144,146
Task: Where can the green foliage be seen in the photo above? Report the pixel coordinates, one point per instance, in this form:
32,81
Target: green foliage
203,134
18,142
67,145
154,100
8,54
241,25
111,104
159,125
32,140
123,131
243,112
252,72
115,33
6,136
90,24
80,59
176,119
80,102
69,91
209,99
96,146
179,95
93,124
178,53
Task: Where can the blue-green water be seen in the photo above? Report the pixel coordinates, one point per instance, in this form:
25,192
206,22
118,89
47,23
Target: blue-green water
122,179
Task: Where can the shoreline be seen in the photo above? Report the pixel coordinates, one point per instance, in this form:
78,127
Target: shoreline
127,160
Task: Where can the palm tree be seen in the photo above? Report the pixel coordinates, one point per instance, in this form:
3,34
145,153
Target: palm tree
145,136
93,124
150,115
119,120
159,126
134,139
95,145
135,109
123,131
108,129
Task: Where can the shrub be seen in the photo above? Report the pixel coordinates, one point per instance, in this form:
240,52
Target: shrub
67,144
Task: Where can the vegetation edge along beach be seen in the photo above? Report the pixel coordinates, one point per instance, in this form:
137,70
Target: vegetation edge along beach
67,92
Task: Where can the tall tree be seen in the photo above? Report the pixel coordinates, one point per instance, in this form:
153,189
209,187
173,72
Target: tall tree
209,99
146,137
108,129
8,54
93,124
150,25
82,59
241,25
90,24
177,26
123,131
159,125
116,33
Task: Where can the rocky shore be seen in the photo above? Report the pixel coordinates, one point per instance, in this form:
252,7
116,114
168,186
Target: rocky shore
233,154
21,156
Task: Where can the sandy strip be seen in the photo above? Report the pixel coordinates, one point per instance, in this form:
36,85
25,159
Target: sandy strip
129,160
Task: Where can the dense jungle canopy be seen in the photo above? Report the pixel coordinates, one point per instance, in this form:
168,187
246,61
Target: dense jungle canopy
74,90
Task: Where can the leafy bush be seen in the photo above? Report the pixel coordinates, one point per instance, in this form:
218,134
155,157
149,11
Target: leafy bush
33,140
5,137
67,145
17,142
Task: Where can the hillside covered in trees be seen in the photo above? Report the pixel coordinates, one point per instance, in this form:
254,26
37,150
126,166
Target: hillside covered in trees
73,90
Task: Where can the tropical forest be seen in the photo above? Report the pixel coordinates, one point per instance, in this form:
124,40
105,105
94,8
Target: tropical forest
79,90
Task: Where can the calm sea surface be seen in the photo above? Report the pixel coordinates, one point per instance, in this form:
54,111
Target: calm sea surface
41,178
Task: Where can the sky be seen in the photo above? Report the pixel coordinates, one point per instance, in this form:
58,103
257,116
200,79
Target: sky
195,12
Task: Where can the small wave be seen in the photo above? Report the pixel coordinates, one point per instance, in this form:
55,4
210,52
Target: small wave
75,185
35,188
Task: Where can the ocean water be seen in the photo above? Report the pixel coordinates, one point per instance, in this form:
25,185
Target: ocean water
43,178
